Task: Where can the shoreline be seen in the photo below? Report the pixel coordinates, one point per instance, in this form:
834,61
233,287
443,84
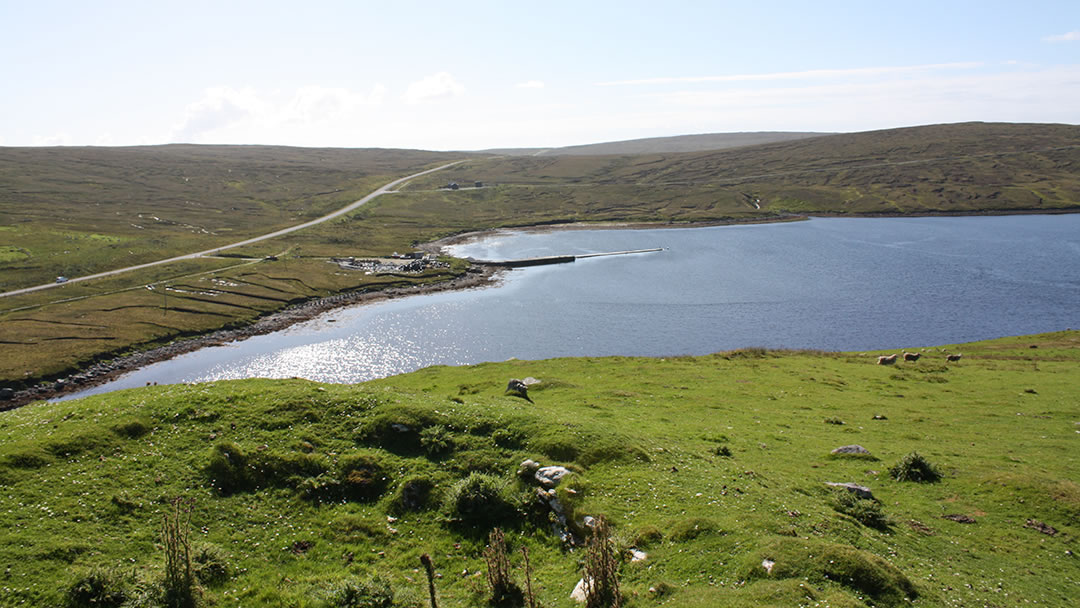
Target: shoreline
105,371
475,277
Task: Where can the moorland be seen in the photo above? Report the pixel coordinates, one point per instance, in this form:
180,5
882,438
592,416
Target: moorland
77,211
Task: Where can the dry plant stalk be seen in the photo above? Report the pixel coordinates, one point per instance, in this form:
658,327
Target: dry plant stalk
181,591
429,568
528,579
504,591
601,574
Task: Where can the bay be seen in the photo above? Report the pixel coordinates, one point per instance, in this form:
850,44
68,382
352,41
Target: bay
847,284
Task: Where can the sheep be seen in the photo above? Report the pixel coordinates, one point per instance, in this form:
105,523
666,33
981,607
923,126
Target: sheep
911,356
886,359
953,358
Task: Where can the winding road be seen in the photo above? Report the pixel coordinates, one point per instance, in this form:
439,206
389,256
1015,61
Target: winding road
346,209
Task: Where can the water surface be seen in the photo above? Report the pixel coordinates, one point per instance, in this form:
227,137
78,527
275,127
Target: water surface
832,284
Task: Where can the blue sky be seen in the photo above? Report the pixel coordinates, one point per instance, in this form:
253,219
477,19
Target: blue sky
473,75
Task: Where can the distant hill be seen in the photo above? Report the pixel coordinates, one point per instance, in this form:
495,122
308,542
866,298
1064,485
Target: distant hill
951,168
663,145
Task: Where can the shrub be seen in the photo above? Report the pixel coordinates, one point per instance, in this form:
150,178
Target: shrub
914,467
362,477
834,420
436,439
210,565
722,451
479,499
865,510
320,487
647,535
372,593
510,439
133,428
228,468
414,494
99,588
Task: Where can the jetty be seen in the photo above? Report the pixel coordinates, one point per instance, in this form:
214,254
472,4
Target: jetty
555,259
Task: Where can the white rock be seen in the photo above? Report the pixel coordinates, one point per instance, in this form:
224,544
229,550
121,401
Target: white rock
768,565
578,594
637,555
550,476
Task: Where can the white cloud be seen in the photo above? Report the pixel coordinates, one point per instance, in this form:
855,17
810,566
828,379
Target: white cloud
1066,37
806,74
219,108
56,139
433,88
531,84
317,103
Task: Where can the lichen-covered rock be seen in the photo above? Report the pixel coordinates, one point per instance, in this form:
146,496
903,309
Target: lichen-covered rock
851,449
549,477
860,491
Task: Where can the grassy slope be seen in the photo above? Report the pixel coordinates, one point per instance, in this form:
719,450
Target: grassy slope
655,145
960,168
84,486
77,211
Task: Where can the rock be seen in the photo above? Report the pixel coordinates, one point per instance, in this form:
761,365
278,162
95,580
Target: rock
1035,524
401,428
851,449
549,477
860,491
768,564
958,518
578,594
528,468
7,393
518,388
637,555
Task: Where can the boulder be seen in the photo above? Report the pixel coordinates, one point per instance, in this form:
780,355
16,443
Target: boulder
856,489
549,477
578,594
518,388
7,393
851,449
528,468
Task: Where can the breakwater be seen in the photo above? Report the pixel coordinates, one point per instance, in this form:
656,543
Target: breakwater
555,259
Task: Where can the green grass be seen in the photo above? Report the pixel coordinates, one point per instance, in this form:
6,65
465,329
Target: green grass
73,211
320,504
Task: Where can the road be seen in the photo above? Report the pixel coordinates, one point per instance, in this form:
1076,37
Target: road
346,209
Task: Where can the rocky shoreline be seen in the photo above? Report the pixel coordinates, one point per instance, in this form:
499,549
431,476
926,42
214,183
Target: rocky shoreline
104,371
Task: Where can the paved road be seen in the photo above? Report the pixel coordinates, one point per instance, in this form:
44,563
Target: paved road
346,209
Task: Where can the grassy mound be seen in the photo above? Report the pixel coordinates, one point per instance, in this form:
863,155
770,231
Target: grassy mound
302,494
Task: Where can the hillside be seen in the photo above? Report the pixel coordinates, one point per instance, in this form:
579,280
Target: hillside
75,211
662,145
309,495
72,211
958,168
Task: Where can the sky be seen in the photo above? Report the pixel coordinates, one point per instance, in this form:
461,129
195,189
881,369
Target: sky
470,75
